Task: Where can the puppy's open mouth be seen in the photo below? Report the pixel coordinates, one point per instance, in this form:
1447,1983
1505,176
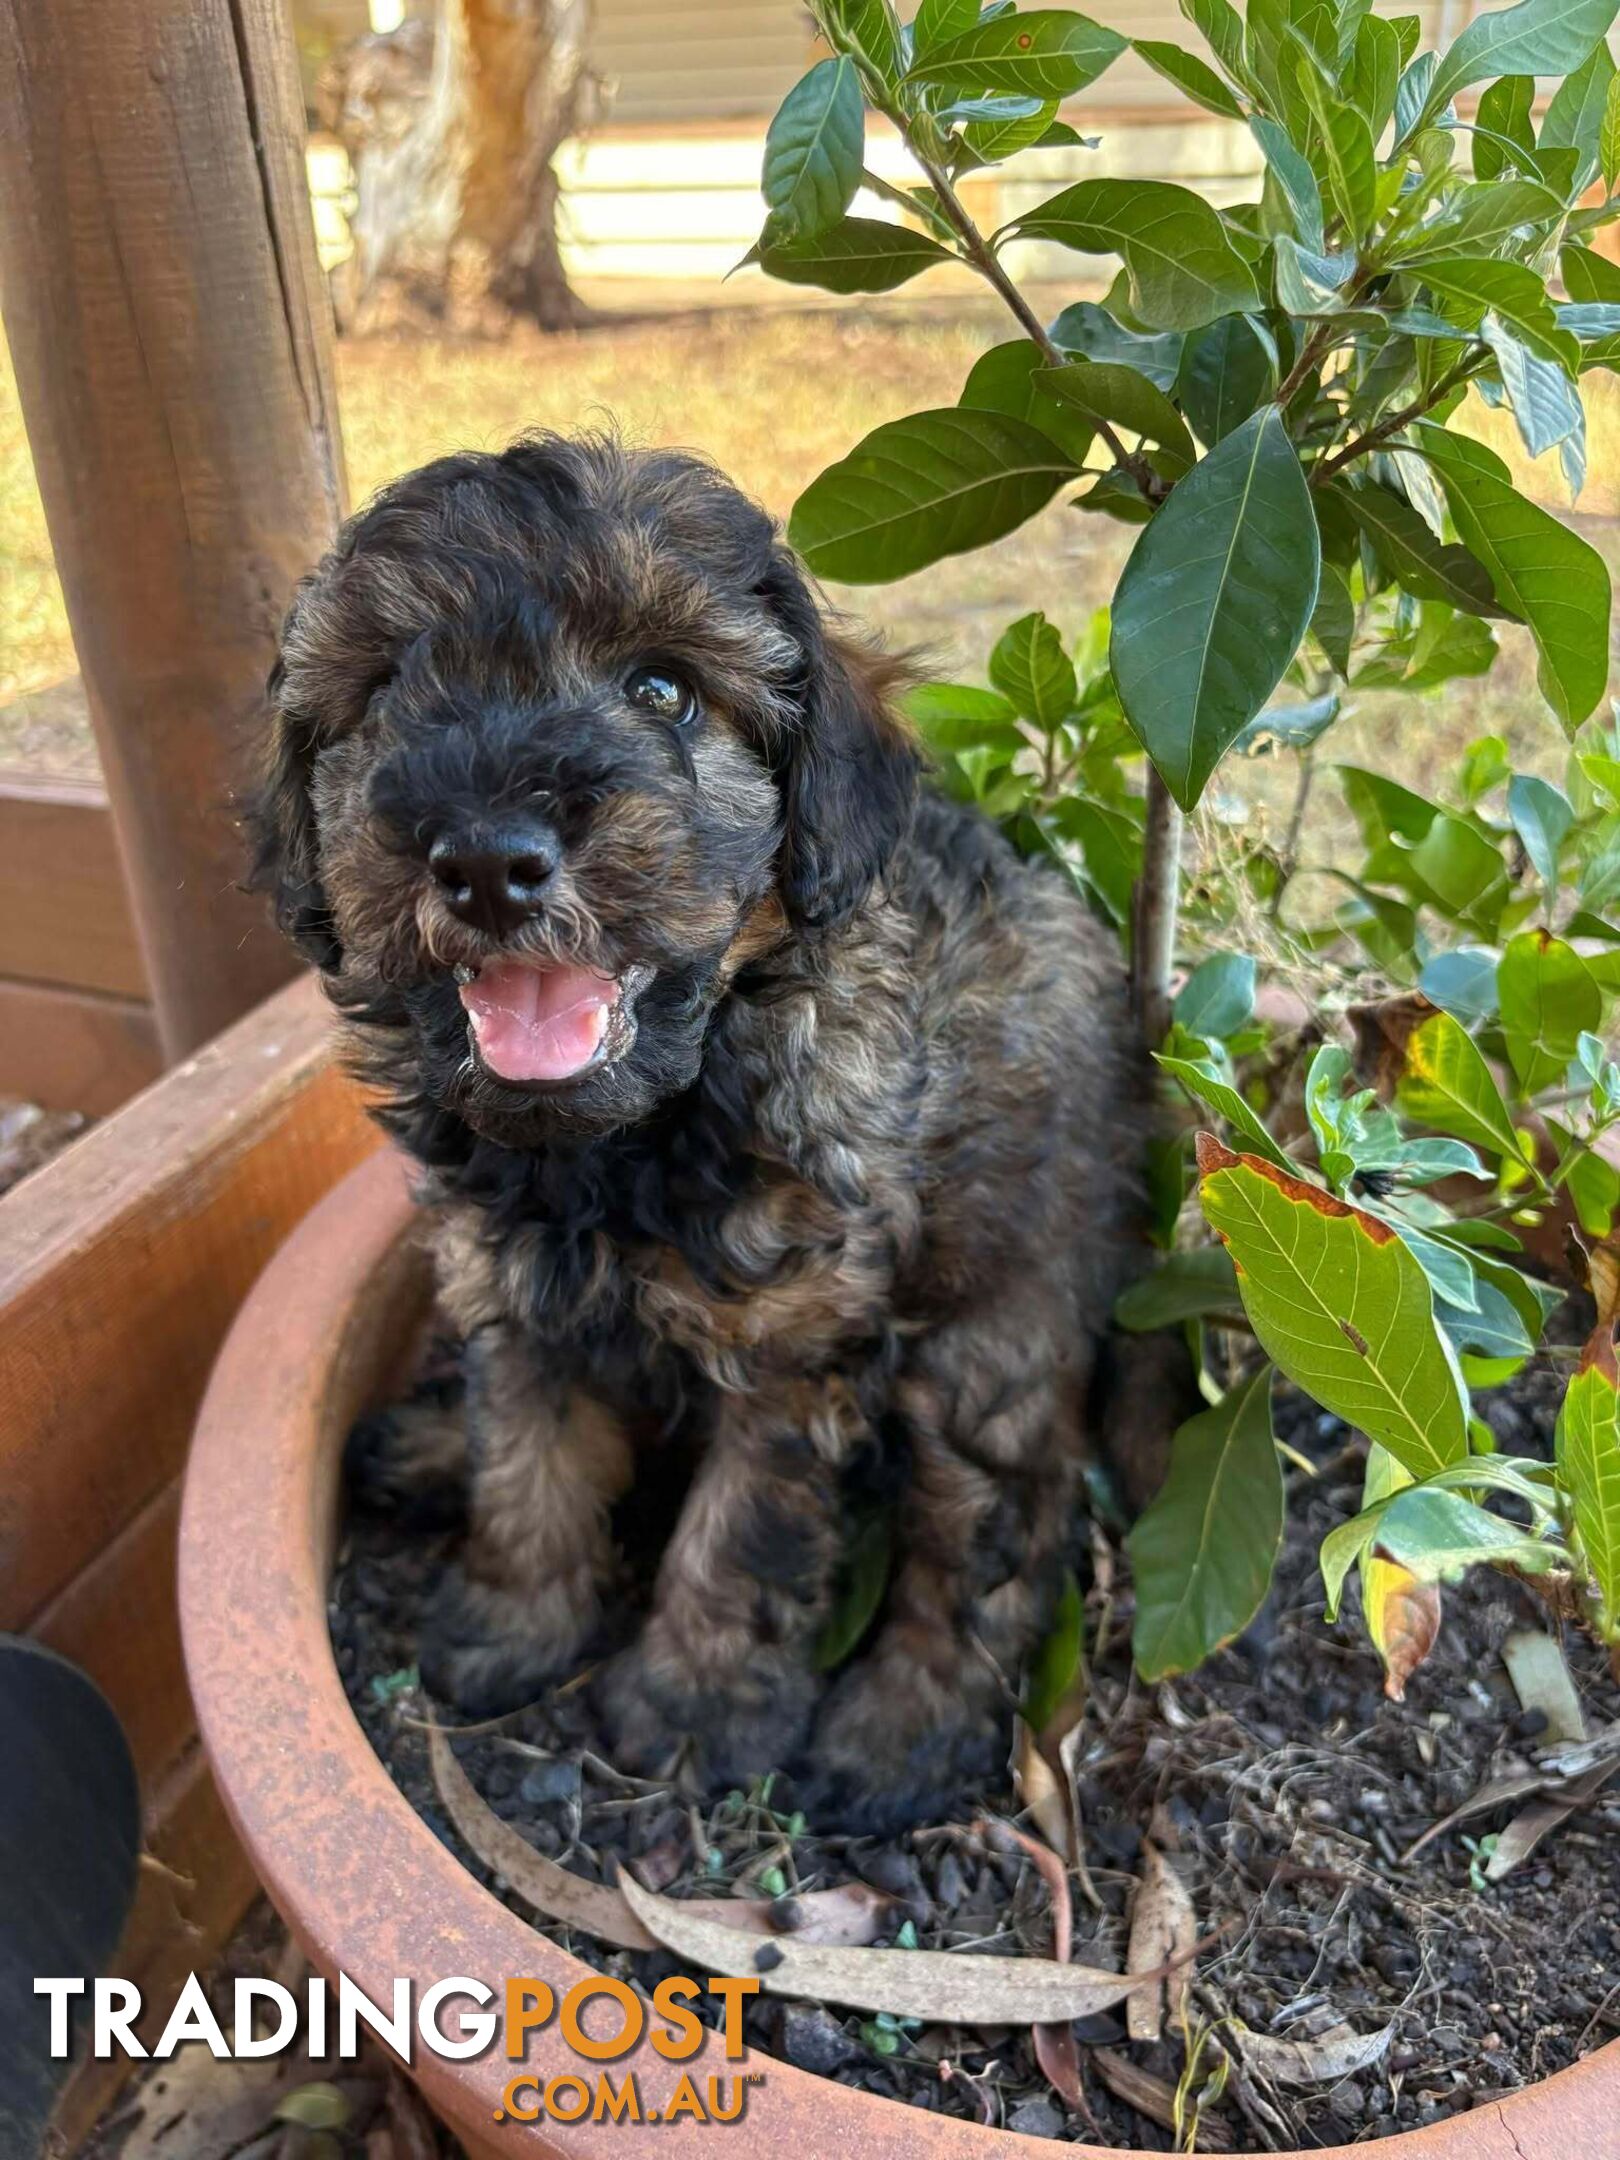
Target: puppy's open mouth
535,1023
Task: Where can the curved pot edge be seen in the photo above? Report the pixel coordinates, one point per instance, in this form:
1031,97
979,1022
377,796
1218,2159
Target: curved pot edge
359,1878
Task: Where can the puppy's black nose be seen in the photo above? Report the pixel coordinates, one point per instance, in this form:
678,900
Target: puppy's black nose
494,876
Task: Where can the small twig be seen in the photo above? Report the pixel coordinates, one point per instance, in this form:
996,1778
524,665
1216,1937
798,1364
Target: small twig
1393,423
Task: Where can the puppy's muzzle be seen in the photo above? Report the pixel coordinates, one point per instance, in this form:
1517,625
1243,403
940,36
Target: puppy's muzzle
494,877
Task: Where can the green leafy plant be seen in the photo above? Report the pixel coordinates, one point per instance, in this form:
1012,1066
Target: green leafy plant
1270,394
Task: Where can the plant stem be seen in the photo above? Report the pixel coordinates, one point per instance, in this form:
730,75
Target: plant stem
1154,907
982,257
1392,424
1288,862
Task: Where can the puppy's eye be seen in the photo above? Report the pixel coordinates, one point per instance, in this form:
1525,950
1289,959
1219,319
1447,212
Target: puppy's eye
658,690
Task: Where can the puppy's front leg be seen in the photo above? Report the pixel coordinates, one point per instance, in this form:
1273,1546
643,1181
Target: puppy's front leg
726,1661
546,1464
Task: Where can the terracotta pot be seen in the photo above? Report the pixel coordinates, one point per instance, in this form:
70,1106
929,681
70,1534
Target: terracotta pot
364,1884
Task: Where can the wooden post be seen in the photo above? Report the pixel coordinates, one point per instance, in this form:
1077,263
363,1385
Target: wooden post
171,335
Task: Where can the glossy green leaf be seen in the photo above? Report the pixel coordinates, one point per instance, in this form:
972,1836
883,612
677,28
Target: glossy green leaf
1340,1303
1287,727
1214,602
1030,668
1542,817
1462,983
1547,999
1375,69
859,255
918,489
1221,27
1575,116
1057,1664
1333,620
952,717
1202,1079
1588,1449
1436,1534
1048,53
1546,405
813,152
1202,1555
1545,573
1478,219
1227,370
1193,77
1503,125
937,20
1105,390
1471,285
1184,1286
1004,380
1538,37
1291,170
863,1578
1345,152
868,28
1089,332
1609,135
1409,552
1447,1084
1217,999
1182,267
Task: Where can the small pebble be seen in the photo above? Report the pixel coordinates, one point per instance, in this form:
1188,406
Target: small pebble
1036,2118
813,2039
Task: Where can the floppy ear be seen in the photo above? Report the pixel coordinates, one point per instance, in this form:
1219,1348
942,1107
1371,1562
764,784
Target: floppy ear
848,772
281,816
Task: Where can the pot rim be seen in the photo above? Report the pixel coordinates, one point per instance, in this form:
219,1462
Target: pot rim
361,1880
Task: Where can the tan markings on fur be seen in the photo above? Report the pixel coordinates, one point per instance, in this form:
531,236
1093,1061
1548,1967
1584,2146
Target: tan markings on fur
548,1467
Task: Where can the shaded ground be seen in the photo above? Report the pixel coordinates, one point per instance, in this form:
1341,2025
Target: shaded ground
1289,1788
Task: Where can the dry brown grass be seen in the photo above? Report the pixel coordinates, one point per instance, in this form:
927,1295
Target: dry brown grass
774,396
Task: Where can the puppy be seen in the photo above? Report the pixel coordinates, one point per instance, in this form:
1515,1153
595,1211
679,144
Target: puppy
761,1097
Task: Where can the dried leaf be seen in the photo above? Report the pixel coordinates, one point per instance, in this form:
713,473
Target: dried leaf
1153,2097
1541,1680
1164,1928
1403,1619
1056,2049
1569,1760
849,1915
1494,1793
1527,1829
929,1984
1069,1763
1337,2054
1041,1791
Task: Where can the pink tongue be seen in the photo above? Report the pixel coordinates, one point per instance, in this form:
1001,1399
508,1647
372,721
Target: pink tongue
538,1023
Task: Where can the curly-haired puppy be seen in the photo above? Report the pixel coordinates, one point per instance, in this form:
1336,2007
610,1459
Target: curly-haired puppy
762,1098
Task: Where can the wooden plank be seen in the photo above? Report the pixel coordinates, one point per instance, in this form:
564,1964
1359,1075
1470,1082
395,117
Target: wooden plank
75,1049
195,1884
118,1622
122,1264
64,914
171,335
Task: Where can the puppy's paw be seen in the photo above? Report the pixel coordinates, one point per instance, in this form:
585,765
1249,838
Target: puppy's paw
722,1729
488,1650
893,1752
410,1462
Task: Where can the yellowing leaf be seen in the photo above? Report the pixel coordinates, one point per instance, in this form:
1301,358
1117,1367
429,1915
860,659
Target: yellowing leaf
1341,1304
1403,1619
1447,1084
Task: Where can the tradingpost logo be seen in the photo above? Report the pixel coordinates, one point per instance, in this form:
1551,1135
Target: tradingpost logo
600,2020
